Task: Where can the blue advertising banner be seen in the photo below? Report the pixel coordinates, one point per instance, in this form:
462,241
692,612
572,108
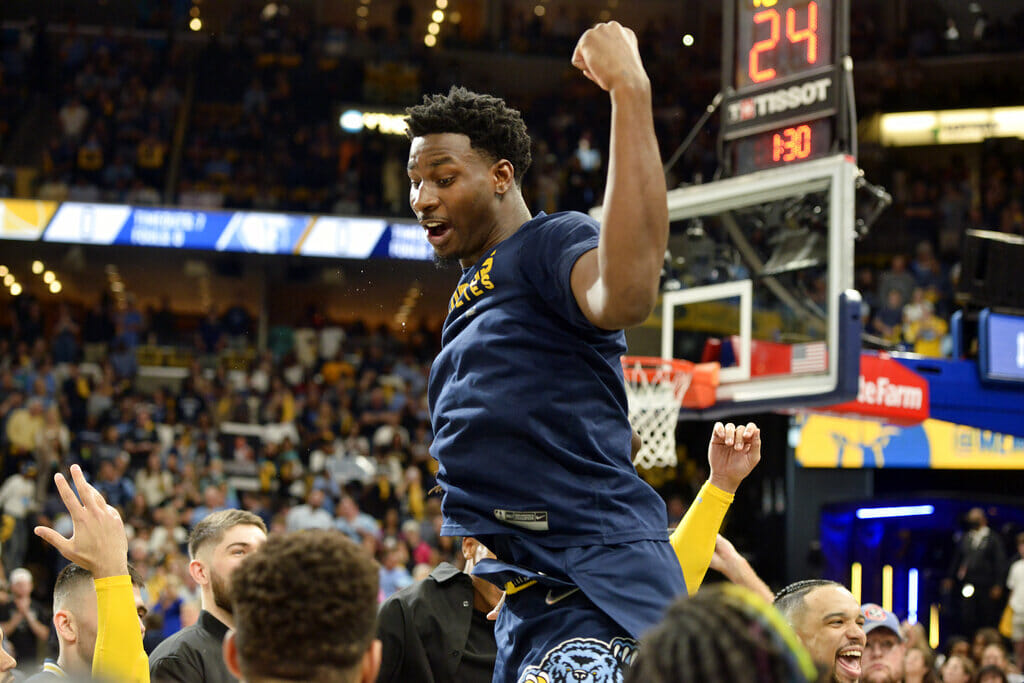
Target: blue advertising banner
237,231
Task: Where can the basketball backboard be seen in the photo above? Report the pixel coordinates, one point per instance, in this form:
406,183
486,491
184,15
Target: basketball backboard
759,278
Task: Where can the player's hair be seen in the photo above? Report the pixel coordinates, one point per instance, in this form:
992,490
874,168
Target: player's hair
491,126
305,607
790,600
724,633
211,529
73,577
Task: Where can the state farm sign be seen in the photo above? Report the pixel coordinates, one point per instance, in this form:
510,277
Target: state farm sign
888,390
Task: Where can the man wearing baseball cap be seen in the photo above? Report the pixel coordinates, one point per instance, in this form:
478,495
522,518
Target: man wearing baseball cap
882,661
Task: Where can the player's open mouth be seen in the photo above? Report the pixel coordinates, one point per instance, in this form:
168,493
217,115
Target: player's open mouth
848,662
436,230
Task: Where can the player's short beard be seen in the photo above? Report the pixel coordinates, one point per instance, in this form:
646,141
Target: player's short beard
444,262
221,592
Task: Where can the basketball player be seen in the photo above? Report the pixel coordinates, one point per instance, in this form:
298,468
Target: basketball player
526,395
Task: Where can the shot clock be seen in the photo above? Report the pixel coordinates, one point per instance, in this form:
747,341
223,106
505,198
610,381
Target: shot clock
783,81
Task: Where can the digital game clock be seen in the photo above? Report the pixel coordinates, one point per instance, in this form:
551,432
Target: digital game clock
782,80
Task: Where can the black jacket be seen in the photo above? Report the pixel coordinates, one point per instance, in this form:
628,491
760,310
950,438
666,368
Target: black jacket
192,655
425,633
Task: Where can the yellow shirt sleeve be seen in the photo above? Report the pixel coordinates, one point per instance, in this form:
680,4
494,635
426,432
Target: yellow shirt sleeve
119,656
694,538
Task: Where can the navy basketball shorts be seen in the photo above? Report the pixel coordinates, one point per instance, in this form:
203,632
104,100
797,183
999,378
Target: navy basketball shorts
576,613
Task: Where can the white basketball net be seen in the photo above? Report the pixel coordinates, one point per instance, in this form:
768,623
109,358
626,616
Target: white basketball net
654,410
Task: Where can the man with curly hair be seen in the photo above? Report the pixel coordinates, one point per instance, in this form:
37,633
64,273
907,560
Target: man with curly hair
305,606
529,411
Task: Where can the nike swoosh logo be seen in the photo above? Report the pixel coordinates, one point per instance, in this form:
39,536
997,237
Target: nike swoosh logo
551,599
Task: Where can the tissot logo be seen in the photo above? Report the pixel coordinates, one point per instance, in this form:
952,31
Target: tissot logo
780,100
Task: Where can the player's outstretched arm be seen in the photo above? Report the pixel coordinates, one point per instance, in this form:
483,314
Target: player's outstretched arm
616,285
733,452
98,543
735,567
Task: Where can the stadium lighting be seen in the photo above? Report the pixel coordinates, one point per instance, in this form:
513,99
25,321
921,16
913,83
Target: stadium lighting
688,40
912,588
351,121
887,587
49,277
196,24
8,280
895,511
15,289
56,286
442,4
437,16
433,29
4,270
539,10
38,267
429,40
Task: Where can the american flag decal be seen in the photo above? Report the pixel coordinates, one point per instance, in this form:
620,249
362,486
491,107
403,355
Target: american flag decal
810,357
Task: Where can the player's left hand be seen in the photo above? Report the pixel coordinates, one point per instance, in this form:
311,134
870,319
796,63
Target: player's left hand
732,454
608,55
98,542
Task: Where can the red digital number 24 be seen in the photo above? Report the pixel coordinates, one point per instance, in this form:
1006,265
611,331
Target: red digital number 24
793,35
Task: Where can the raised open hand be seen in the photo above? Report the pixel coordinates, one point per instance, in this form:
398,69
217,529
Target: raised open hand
98,542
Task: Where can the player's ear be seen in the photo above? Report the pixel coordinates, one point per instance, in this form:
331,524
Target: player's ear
230,653
503,176
197,570
469,547
64,624
370,667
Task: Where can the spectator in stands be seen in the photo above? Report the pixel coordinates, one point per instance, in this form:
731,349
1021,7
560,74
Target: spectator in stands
23,426
1015,582
463,648
213,501
919,666
117,489
979,560
957,669
289,627
352,522
884,649
75,621
991,674
724,633
827,619
888,321
898,278
311,514
394,575
24,620
995,656
73,118
923,329
216,547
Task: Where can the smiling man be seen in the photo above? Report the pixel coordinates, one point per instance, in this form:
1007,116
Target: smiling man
828,620
217,545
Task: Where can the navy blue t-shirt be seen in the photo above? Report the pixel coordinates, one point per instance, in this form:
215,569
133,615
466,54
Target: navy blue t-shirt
530,419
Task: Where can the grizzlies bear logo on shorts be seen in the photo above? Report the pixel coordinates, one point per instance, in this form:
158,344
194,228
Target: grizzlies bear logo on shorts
584,659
